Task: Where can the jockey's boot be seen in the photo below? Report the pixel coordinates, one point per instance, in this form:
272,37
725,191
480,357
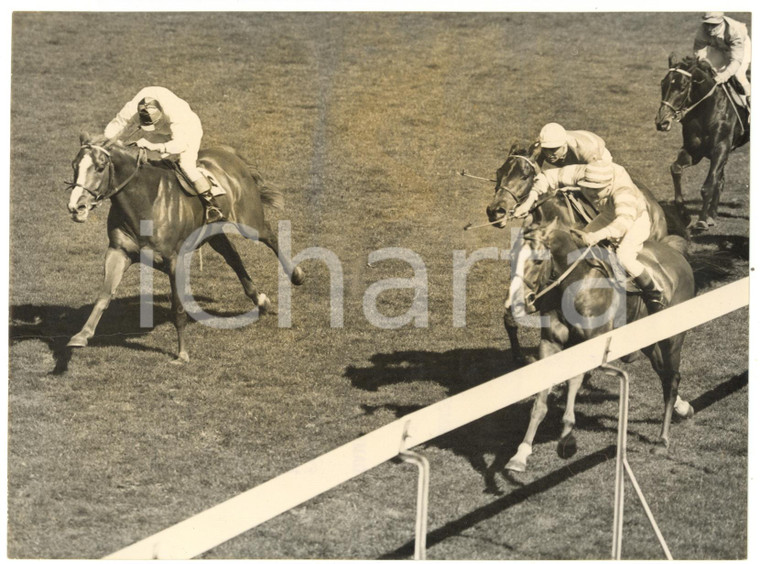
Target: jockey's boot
652,294
213,211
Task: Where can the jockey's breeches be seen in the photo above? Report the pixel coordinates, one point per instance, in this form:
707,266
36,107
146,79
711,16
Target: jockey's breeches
191,133
630,245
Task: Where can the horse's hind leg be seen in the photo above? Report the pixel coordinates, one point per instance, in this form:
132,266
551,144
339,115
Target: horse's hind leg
116,263
222,245
295,273
180,317
666,359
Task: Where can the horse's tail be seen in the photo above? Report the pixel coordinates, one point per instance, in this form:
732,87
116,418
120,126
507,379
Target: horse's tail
678,243
708,265
271,196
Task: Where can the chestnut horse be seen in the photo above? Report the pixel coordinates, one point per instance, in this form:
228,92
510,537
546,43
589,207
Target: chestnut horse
575,308
149,194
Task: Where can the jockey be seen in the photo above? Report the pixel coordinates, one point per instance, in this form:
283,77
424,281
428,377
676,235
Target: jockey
623,216
159,114
730,38
562,148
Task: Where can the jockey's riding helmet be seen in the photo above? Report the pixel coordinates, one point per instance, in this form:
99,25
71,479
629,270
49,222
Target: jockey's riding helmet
598,175
712,18
150,112
552,135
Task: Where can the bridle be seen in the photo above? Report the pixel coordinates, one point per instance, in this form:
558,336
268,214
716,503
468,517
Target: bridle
680,113
111,190
533,165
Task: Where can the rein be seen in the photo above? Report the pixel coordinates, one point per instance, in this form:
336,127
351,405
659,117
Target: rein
564,275
535,168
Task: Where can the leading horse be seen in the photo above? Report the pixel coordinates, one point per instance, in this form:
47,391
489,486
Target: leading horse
577,305
150,211
712,126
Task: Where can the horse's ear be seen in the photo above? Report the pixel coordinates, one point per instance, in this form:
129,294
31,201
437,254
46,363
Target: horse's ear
534,150
551,226
513,148
84,138
673,59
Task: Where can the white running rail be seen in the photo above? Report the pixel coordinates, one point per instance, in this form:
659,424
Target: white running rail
210,528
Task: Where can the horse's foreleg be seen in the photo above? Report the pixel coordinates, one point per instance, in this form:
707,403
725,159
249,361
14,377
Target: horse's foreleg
295,273
519,462
222,245
514,344
683,160
180,317
116,263
567,446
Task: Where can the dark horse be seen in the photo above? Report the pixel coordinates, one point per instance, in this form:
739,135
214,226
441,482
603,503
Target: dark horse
711,125
514,179
562,327
140,191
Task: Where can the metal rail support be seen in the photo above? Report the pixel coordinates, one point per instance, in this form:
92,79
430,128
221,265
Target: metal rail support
622,467
423,487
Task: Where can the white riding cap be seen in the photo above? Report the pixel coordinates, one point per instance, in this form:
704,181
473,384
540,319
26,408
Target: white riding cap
712,17
598,175
552,135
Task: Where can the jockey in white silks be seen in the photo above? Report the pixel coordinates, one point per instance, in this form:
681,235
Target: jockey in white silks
159,114
623,216
561,148
730,38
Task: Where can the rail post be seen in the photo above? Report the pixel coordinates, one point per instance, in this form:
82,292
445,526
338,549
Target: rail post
423,487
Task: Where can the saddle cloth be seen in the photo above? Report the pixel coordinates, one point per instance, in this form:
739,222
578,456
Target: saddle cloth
187,185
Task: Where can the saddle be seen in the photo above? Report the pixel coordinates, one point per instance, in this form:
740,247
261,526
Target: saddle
186,184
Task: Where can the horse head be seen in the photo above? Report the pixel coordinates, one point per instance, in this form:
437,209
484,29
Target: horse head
687,83
94,175
514,179
533,266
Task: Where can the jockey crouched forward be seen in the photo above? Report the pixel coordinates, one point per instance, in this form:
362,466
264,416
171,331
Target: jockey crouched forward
157,113
623,216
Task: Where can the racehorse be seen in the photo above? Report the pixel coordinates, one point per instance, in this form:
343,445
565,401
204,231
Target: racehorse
711,124
514,179
582,282
142,191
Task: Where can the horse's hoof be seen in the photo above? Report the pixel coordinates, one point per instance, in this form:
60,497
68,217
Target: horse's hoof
701,225
77,341
711,222
264,304
662,448
516,465
567,446
182,359
298,276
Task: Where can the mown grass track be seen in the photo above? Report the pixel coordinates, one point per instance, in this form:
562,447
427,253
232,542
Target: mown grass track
362,119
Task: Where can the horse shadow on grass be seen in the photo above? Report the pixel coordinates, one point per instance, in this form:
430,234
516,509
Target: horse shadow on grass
120,326
496,435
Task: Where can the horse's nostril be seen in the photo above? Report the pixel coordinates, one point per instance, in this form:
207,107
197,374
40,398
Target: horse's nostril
530,299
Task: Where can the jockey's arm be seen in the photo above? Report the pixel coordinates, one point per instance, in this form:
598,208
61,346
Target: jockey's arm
551,179
736,54
126,119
